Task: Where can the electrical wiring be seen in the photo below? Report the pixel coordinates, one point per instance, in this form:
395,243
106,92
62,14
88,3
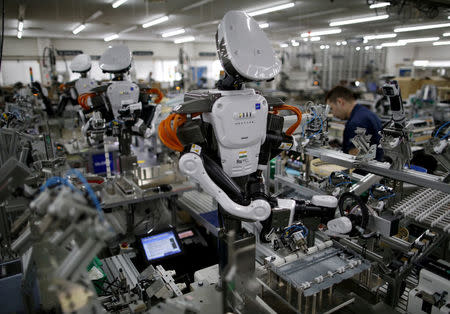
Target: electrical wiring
304,230
297,111
321,126
83,100
167,130
89,190
383,197
440,128
54,181
157,92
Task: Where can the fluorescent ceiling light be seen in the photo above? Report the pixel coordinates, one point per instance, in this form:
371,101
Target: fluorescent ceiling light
111,37
379,36
338,43
360,20
431,64
305,39
379,5
196,4
184,39
441,43
446,34
157,21
358,48
322,32
284,45
379,47
327,46
78,29
263,25
418,40
19,34
316,38
420,27
393,44
173,33
322,47
94,16
368,47
272,9
129,29
295,43
118,3
20,26
344,43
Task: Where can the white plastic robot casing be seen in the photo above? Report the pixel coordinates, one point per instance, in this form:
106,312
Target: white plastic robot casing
239,120
84,85
116,59
123,94
244,48
81,63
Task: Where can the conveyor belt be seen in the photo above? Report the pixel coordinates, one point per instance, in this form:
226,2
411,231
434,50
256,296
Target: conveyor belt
428,207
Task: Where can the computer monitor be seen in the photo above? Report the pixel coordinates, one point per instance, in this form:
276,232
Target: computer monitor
161,245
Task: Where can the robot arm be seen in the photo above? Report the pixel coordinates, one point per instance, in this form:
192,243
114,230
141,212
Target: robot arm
191,164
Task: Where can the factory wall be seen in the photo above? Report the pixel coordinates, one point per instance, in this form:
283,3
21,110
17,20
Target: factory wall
404,56
20,55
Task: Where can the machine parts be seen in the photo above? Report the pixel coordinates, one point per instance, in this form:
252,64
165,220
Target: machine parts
362,143
432,293
428,207
307,279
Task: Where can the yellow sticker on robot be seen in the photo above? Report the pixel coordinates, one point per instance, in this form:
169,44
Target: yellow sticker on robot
196,149
243,154
285,146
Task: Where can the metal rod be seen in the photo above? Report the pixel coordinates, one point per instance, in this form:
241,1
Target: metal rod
299,301
340,306
313,306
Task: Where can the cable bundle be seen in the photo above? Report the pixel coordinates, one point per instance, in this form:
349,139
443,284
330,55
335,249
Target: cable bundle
83,100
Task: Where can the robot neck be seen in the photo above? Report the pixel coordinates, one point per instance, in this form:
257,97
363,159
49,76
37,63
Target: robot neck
229,83
83,74
118,77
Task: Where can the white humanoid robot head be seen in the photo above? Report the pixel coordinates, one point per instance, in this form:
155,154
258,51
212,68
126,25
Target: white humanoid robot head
244,49
81,64
116,59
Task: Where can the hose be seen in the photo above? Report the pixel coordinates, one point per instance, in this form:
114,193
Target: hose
297,111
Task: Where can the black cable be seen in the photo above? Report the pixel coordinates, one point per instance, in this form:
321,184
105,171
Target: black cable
3,33
362,205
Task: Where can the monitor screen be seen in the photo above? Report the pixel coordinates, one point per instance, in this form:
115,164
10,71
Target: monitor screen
160,245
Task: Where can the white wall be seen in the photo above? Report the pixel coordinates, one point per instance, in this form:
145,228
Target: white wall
404,56
20,54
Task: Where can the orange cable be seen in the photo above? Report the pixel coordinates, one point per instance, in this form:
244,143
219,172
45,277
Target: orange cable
297,111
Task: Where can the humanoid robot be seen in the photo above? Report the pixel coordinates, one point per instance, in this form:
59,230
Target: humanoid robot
228,135
119,107
71,90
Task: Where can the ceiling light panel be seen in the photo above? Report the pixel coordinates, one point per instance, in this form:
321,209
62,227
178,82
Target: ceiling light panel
420,27
379,36
156,21
78,29
364,19
272,9
173,33
321,32
118,3
379,5
111,37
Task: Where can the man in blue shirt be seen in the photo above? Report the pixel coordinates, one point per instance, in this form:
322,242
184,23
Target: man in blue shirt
343,106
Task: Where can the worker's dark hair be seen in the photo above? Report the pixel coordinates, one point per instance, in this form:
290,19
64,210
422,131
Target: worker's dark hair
339,92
